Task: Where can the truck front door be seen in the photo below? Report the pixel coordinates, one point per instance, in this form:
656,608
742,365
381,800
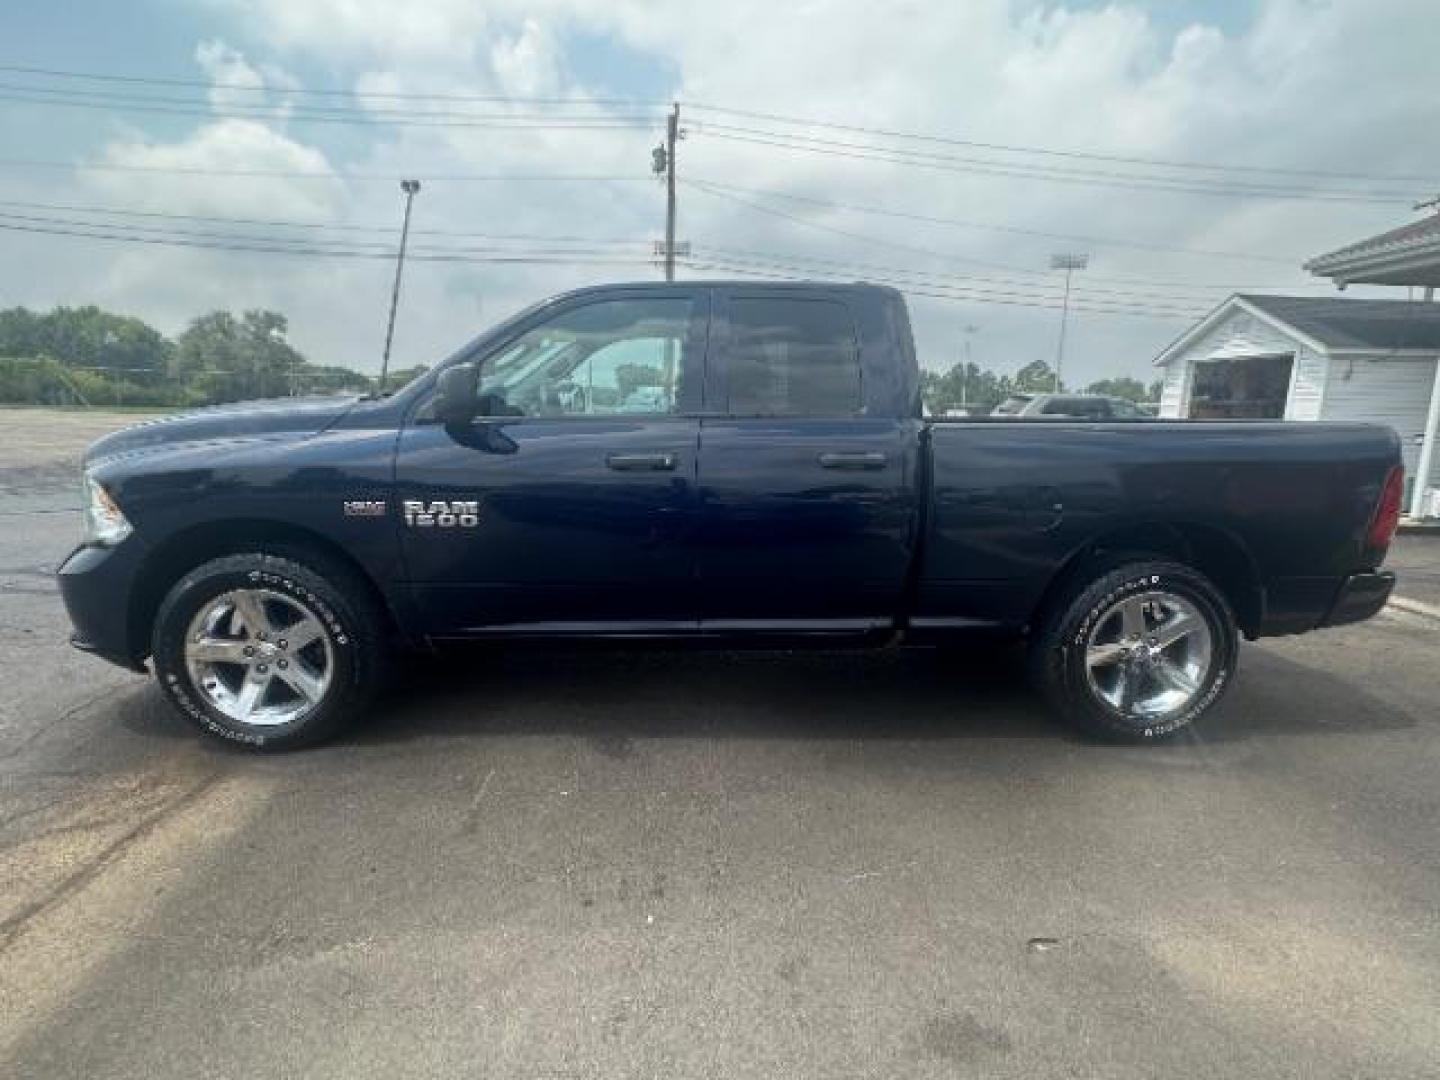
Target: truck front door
566,506
808,503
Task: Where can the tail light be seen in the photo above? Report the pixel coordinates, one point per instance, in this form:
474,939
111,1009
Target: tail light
1387,510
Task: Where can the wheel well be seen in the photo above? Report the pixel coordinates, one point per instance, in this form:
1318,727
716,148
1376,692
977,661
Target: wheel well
1213,552
177,555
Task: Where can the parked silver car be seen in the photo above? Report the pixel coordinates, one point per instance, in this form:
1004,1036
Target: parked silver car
1071,406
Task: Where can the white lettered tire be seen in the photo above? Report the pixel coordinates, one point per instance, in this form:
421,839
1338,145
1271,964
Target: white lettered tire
268,651
1140,652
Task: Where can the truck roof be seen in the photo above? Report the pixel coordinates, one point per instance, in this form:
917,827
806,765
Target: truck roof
738,283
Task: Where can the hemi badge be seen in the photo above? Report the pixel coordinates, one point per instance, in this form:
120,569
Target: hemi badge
364,508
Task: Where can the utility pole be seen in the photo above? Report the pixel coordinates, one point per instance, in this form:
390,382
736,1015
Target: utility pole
1069,262
409,187
662,160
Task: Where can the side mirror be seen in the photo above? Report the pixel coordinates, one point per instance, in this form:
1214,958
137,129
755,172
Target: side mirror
455,394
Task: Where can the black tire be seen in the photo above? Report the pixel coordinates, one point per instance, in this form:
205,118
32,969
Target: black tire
1058,663
354,652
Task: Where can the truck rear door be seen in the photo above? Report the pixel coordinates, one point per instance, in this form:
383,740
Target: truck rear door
808,499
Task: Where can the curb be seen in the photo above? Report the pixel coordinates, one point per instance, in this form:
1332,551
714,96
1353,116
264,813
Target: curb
1414,607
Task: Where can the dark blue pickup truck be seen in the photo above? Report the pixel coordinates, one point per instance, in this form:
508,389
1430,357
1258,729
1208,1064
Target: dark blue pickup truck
743,464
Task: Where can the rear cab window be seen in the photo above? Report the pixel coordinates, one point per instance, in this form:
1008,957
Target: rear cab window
792,356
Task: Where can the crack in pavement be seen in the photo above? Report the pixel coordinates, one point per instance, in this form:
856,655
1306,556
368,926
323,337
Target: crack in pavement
13,927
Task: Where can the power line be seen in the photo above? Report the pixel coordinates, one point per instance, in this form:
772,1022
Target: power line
859,269
797,219
585,244
280,248
910,248
287,94
952,163
298,174
357,118
906,281
733,265
1085,155
1011,229
535,110
974,296
389,230
771,117
395,95
1131,181
334,246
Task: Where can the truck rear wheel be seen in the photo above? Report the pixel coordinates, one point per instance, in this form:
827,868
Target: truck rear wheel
267,651
1139,653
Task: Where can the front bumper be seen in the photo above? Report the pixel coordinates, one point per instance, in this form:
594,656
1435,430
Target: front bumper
97,584
1360,596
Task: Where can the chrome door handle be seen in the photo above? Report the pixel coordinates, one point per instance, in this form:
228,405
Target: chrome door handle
640,462
870,460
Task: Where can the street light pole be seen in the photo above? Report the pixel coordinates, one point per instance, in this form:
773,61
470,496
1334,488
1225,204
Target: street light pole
1069,262
969,330
409,187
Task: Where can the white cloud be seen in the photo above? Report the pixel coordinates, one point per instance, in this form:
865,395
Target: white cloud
221,169
237,84
226,167
527,64
1334,86
235,80
434,29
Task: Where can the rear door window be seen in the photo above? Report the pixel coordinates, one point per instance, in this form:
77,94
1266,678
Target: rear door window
792,357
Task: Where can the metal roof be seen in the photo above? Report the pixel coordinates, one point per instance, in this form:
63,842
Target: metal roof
1340,323
1329,324
1409,255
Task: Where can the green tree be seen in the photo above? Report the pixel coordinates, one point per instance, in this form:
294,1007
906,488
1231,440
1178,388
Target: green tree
89,338
230,359
1036,377
89,356
967,386
1122,387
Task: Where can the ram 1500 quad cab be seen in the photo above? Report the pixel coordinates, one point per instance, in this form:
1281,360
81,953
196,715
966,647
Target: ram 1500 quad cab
730,463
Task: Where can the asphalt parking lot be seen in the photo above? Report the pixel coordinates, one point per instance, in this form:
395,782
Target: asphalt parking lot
676,865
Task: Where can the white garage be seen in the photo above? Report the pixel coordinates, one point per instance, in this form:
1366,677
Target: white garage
1315,358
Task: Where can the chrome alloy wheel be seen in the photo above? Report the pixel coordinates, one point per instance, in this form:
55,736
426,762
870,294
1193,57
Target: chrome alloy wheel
1149,655
259,657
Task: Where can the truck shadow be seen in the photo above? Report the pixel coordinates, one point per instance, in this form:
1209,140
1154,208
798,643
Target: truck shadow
978,691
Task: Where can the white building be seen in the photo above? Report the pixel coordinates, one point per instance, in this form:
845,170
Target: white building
1317,358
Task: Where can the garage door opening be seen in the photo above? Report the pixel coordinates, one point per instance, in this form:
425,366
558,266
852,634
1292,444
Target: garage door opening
1246,388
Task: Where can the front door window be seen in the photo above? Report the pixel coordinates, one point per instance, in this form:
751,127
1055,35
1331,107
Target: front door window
616,357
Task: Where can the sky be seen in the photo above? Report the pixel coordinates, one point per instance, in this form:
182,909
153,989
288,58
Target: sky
165,158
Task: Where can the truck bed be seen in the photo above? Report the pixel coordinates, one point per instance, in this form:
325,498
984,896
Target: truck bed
1012,502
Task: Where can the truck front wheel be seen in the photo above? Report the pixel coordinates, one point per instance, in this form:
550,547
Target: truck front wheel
1140,652
267,651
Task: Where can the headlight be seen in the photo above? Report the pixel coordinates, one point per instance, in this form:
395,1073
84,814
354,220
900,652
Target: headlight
104,523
